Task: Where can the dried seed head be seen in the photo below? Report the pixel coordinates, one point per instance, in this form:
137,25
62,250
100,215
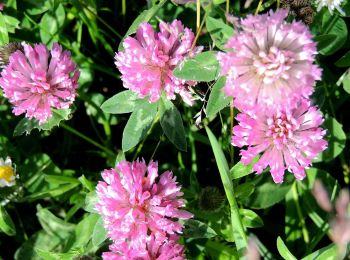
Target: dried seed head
6,51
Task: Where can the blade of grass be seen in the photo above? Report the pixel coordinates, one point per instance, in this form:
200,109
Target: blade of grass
236,222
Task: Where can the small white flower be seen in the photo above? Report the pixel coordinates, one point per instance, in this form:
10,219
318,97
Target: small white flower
7,173
331,5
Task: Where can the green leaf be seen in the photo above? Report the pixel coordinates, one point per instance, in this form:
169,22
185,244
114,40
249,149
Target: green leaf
264,187
236,222
346,82
197,229
323,41
336,140
334,25
58,179
244,190
219,31
6,223
52,224
250,219
326,253
27,125
217,99
138,125
52,192
145,16
172,125
283,250
39,241
123,102
90,202
50,25
4,38
203,67
87,183
48,255
99,234
221,251
240,170
344,61
11,23
83,232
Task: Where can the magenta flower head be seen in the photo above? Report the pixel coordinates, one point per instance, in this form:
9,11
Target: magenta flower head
270,62
287,139
158,247
149,58
134,202
37,80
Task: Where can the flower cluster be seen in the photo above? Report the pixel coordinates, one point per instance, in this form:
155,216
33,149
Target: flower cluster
149,58
37,80
271,74
139,209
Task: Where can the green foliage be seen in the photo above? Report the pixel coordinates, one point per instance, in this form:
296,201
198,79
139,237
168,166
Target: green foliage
138,125
6,224
283,250
219,31
203,67
51,211
171,122
25,126
217,99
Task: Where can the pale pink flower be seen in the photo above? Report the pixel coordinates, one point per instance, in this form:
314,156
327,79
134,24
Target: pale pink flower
149,58
2,5
288,139
340,225
134,202
321,195
37,80
158,247
271,62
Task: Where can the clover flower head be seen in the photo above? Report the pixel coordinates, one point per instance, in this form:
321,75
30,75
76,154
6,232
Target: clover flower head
37,80
331,5
287,139
149,58
270,62
135,201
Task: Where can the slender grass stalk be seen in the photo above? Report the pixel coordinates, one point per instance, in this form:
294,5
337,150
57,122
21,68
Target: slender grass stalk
259,6
86,138
227,6
123,7
300,214
198,15
199,31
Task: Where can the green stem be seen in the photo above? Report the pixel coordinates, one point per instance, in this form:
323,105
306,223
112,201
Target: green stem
198,15
300,214
227,6
102,21
86,138
123,7
259,6
155,149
